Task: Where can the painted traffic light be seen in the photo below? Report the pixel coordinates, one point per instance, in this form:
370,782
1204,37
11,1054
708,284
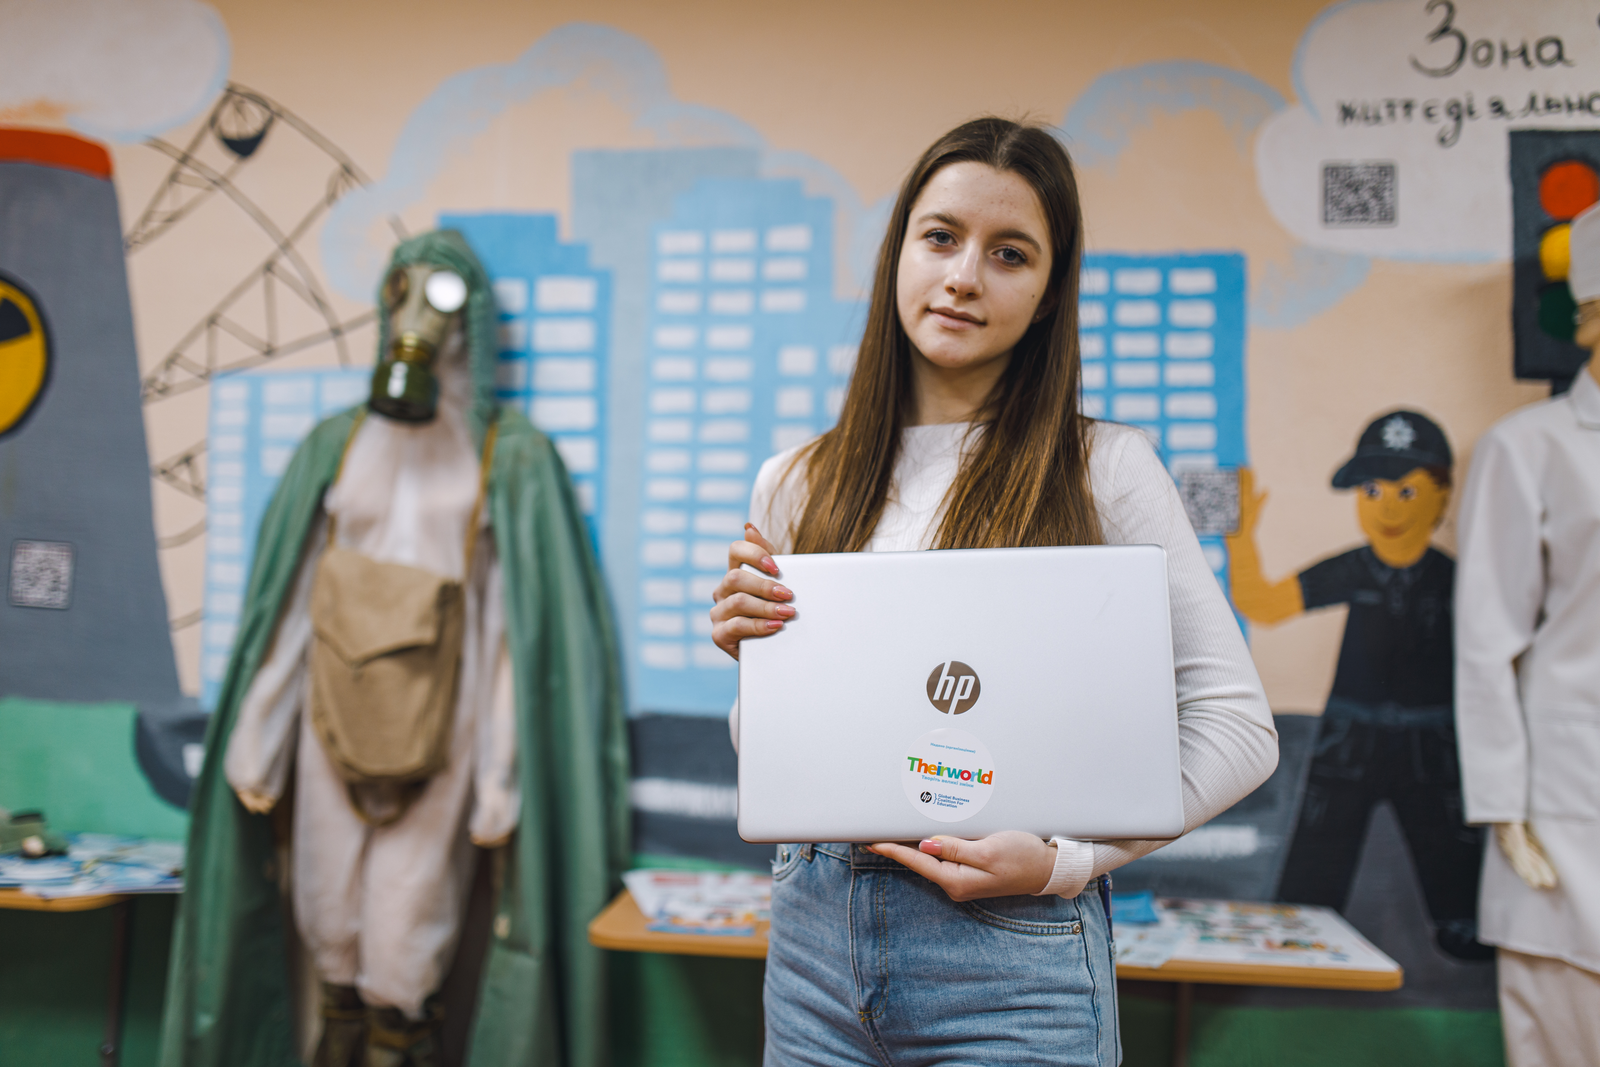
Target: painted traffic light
1555,176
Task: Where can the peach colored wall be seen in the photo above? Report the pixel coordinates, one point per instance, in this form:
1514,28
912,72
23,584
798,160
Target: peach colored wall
864,86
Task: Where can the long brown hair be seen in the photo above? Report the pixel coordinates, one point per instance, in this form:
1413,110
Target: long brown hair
1026,482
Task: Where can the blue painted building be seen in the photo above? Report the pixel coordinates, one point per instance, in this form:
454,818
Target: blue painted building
257,421
1163,342
743,350
555,332
748,353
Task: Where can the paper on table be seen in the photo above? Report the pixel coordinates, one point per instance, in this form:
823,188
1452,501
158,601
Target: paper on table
700,902
1223,931
99,863
20,871
140,851
111,878
1148,945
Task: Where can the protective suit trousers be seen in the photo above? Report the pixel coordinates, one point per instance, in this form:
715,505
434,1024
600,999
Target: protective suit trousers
381,908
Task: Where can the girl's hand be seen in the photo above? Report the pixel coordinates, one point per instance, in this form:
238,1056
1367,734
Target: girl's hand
1008,864
747,605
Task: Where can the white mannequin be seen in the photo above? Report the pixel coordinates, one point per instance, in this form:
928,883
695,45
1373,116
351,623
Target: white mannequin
1528,697
380,909
1521,846
1517,839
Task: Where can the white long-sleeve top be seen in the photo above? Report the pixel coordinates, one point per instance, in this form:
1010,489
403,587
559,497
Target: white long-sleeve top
1527,669
1226,740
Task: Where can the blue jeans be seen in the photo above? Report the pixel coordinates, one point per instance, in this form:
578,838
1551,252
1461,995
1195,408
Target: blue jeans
870,963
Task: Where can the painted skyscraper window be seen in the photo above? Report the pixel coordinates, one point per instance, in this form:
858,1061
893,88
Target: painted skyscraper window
554,339
748,354
555,326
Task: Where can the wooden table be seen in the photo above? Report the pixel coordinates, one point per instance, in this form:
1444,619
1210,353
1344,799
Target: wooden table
1263,974
1186,974
122,907
17,900
622,927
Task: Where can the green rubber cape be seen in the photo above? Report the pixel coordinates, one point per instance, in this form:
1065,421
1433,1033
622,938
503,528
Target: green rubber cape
542,998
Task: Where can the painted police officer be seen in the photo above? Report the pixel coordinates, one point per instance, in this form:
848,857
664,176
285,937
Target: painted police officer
1387,731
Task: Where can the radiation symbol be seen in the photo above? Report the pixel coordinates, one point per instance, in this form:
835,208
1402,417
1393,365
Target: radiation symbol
24,355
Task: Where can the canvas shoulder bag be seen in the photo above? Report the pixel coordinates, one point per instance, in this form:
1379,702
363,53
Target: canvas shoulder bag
385,659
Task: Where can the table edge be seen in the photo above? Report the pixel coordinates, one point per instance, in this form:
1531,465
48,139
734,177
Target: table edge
12,899
618,909
1205,972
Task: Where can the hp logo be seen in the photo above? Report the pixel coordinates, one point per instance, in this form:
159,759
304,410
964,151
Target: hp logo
953,687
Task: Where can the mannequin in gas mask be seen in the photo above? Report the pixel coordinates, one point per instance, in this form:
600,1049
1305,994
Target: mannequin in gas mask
425,663
1528,697
405,514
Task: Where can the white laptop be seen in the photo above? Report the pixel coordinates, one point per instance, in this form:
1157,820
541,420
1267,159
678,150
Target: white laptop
963,693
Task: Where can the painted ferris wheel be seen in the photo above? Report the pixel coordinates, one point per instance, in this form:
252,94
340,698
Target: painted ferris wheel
256,175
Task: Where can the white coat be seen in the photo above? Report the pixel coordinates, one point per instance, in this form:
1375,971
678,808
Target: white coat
1528,667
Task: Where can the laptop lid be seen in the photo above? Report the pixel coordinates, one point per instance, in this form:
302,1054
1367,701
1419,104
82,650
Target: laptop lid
964,693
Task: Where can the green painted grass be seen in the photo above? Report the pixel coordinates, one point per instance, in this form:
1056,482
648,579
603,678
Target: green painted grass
76,763
1313,1037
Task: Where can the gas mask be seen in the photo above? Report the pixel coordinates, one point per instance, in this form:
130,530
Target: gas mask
422,302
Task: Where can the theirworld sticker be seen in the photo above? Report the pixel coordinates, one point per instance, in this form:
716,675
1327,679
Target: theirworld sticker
948,775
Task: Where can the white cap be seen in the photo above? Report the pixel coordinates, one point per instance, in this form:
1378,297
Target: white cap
1583,275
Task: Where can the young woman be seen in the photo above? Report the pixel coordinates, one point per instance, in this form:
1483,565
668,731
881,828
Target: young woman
962,430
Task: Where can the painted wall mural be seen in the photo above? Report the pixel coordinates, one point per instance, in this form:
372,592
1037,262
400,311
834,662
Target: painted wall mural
1397,146
1555,176
1299,216
83,616
25,363
749,354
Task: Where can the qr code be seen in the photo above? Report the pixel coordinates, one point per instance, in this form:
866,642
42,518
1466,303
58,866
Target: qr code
1211,499
41,574
1359,194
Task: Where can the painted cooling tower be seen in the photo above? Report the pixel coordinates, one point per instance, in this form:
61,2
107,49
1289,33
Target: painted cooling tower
83,617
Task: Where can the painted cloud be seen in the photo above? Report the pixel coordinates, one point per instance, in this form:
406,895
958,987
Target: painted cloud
119,70
1398,145
356,239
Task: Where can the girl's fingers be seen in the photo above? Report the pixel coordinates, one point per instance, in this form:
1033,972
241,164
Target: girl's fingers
929,867
744,626
727,635
748,552
959,881
754,536
742,581
1004,864
746,605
